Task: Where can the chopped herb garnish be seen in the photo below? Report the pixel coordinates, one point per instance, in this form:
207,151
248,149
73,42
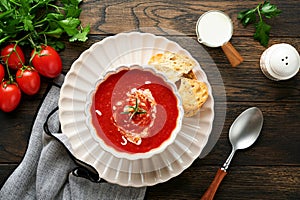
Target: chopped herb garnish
134,110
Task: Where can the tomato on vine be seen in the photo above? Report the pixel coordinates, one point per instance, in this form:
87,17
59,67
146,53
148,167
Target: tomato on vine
28,80
23,27
47,61
2,72
10,96
13,56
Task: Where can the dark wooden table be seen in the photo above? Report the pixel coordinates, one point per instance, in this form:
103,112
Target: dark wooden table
268,170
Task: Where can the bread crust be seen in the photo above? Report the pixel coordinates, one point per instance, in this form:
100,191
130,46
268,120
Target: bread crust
194,94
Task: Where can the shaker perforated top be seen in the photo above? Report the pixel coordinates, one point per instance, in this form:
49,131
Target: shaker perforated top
284,60
280,62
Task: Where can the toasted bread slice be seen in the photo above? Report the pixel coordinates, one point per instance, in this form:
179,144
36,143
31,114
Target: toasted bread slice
179,69
172,64
194,94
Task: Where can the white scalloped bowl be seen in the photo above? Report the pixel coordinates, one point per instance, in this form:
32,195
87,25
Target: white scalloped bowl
109,53
91,116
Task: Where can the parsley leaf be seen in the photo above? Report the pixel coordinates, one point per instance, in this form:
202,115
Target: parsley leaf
69,25
249,16
81,35
269,10
262,33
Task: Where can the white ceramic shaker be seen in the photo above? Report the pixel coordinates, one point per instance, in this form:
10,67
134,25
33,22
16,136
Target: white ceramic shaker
280,62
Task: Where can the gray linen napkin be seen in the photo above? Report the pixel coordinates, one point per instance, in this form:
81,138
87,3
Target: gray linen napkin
47,170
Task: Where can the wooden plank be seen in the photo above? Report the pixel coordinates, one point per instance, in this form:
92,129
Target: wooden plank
243,182
119,16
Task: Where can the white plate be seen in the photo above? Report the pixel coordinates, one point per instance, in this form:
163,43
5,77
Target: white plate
128,49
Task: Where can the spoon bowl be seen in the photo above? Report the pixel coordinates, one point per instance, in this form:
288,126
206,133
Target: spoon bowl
242,134
246,128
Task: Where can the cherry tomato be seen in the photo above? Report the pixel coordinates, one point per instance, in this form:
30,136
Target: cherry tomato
2,73
13,55
10,96
47,62
28,80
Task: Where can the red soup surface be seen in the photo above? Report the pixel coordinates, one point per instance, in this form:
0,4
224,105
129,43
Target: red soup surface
134,110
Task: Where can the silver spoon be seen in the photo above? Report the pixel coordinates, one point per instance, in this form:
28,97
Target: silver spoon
242,134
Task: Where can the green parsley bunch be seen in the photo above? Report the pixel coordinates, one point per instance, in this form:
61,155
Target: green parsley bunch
249,16
37,21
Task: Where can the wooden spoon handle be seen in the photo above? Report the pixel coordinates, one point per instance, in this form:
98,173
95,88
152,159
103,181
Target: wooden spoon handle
210,192
232,54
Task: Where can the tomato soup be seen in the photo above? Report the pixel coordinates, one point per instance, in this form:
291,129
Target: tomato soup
134,110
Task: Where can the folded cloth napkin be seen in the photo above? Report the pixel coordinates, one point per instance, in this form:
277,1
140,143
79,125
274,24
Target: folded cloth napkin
48,169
